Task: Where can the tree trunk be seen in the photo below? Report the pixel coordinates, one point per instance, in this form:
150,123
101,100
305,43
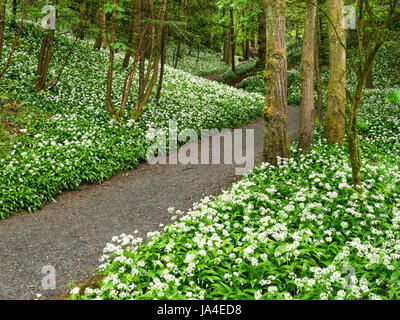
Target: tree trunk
2,20
45,53
142,57
306,135
211,40
276,139
100,21
111,108
14,13
246,50
335,118
160,80
370,80
184,37
227,47
82,20
261,39
323,51
134,27
318,79
232,40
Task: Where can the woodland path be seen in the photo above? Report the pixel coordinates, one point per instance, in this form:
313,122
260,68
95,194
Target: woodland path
70,234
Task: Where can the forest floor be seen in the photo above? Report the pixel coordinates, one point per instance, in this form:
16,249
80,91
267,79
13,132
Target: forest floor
70,234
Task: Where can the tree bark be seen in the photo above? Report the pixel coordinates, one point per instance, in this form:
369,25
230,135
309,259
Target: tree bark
370,80
318,79
2,23
100,21
82,20
14,13
335,118
276,139
133,28
161,77
261,39
232,41
306,135
111,108
227,47
45,53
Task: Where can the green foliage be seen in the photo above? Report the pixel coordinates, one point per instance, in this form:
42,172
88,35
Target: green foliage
69,138
254,84
393,96
242,68
294,231
198,61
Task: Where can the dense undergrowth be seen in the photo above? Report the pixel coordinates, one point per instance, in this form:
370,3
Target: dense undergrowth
68,137
295,231
199,62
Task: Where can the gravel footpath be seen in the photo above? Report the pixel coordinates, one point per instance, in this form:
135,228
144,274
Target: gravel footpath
71,233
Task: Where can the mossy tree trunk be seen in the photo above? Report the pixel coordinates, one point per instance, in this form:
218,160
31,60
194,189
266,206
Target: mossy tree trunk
335,118
276,139
306,134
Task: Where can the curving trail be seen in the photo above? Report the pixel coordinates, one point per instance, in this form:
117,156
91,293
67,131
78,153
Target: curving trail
71,233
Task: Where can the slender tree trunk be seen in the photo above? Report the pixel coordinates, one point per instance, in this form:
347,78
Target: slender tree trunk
306,135
323,51
82,20
232,40
2,20
133,28
246,50
161,77
318,79
14,13
45,53
184,41
142,57
211,40
177,55
153,63
100,21
261,39
335,118
111,108
276,139
370,81
227,47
